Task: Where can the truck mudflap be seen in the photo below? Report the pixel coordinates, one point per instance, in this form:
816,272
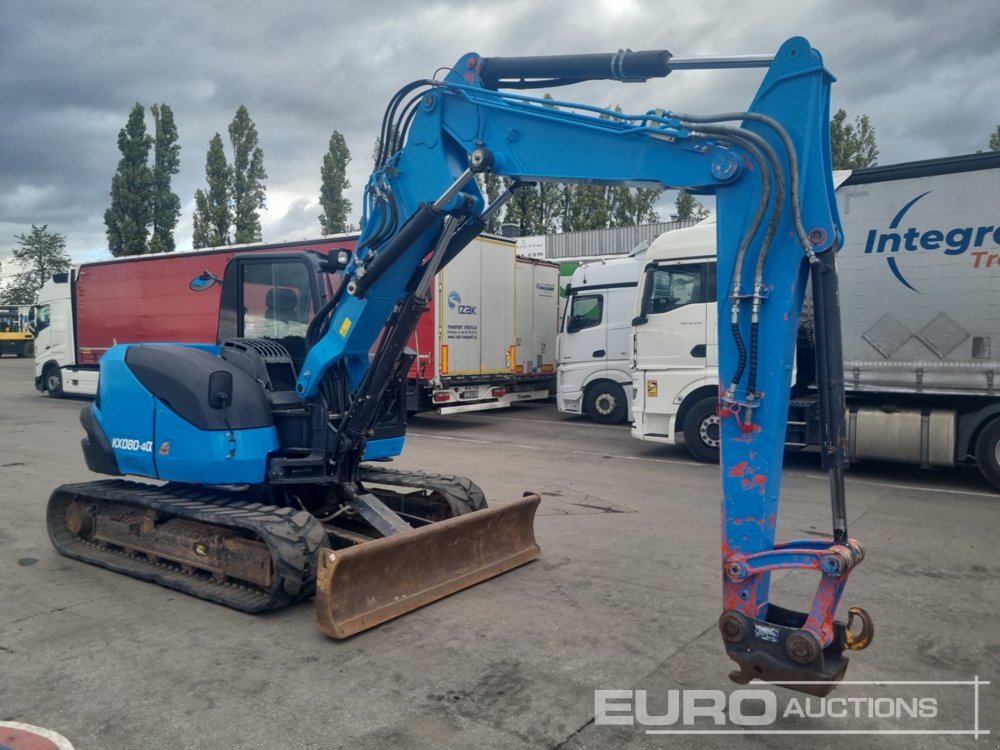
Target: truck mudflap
370,583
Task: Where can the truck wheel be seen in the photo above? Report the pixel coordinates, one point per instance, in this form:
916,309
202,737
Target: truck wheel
53,382
606,403
988,452
703,430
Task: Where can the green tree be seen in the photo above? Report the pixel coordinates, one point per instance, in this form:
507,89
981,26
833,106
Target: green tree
523,209
248,176
995,139
585,207
600,207
128,217
549,207
534,208
689,207
41,254
492,186
334,182
853,145
630,207
212,217
166,206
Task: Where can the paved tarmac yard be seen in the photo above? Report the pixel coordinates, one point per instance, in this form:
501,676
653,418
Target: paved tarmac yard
626,596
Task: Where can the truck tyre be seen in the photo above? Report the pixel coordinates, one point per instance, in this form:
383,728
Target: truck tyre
53,382
606,403
702,430
988,452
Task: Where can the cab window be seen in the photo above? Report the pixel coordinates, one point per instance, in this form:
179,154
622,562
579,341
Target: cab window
586,311
671,287
277,300
42,318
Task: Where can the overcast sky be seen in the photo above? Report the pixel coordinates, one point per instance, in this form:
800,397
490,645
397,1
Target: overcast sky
927,73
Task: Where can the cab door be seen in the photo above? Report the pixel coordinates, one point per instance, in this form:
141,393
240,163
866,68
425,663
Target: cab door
585,332
672,329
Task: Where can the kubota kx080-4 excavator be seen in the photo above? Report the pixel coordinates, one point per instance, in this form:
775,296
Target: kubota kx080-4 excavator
261,436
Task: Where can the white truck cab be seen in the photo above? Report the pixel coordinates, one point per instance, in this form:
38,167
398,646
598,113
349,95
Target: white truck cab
674,342
57,371
594,370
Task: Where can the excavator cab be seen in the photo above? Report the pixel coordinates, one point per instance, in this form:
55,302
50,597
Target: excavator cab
273,296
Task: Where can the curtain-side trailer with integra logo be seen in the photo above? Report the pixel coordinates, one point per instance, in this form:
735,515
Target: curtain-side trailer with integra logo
919,275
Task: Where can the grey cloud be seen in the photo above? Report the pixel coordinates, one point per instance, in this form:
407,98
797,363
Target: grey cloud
70,72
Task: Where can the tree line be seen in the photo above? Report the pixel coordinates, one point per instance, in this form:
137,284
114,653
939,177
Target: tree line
144,212
227,210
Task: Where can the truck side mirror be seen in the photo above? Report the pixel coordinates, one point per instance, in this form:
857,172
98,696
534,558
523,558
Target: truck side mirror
641,320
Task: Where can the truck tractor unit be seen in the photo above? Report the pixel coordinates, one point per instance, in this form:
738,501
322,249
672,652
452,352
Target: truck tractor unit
595,364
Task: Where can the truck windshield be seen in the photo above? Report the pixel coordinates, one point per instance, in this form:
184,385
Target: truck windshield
42,317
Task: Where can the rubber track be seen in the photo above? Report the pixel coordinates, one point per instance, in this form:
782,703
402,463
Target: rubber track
461,493
294,538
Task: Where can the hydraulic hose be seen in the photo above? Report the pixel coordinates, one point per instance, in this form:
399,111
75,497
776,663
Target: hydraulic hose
758,147
793,164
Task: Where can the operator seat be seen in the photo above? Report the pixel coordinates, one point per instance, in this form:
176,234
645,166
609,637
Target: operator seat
282,305
282,308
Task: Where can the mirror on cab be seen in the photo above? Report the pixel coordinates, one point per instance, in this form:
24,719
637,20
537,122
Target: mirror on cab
206,281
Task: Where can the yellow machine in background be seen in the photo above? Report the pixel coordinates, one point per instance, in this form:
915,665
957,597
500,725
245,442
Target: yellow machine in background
15,336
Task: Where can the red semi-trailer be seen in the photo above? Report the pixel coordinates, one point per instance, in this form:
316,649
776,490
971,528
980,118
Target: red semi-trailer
81,314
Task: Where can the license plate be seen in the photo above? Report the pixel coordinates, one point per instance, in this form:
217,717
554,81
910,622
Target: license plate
469,394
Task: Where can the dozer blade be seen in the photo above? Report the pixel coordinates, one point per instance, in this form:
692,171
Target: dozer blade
368,584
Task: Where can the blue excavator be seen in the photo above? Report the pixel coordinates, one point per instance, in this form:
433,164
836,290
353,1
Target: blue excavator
266,440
